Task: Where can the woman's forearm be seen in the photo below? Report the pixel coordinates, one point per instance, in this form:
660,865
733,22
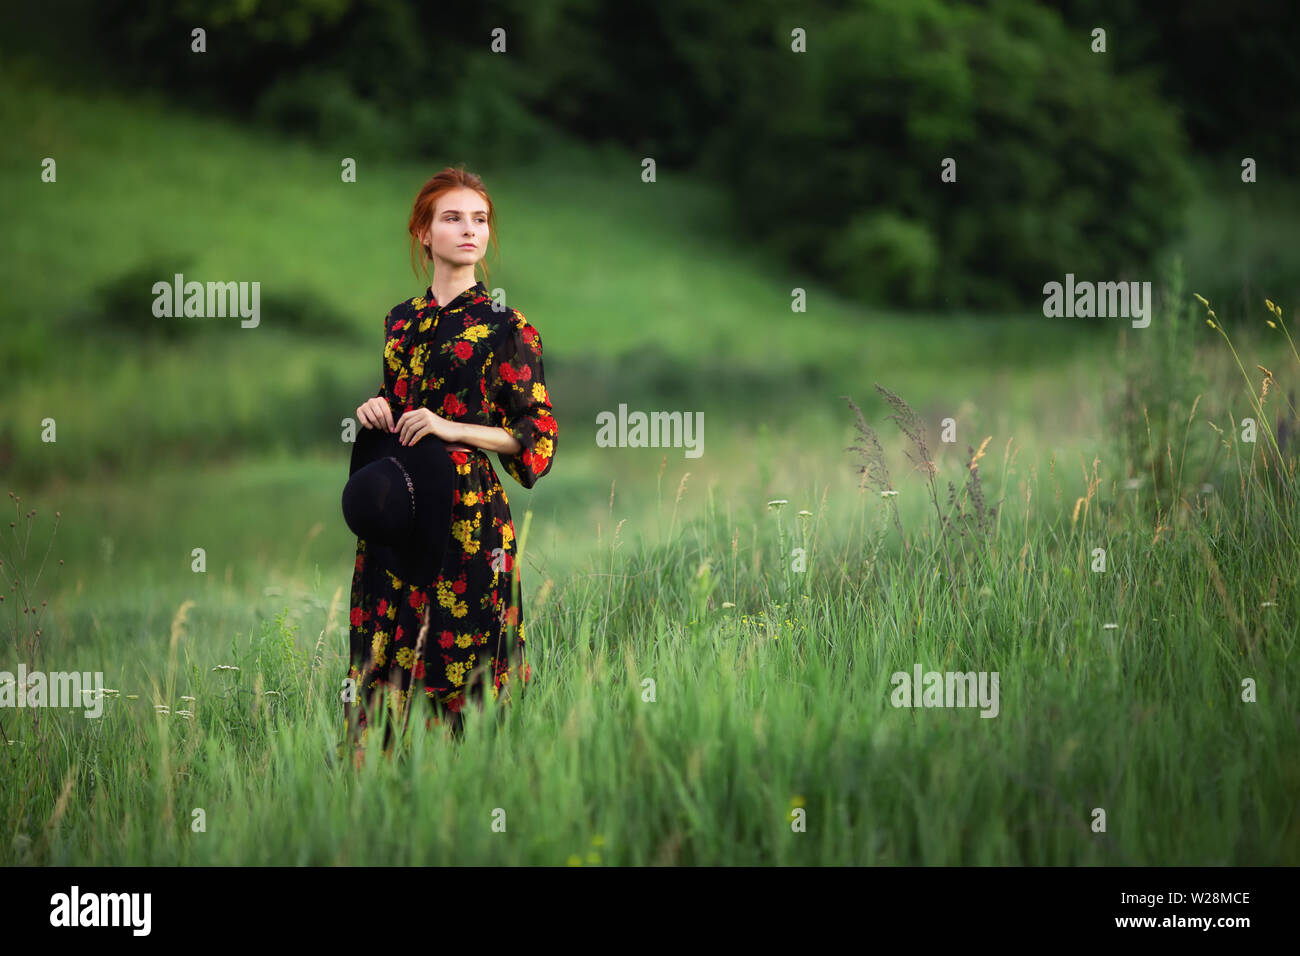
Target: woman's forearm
488,438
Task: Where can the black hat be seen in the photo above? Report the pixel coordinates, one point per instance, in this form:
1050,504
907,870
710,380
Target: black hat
398,500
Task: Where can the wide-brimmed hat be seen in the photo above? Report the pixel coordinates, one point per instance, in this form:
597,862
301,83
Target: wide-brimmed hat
398,500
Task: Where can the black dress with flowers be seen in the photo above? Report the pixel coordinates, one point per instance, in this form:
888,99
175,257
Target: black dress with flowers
466,362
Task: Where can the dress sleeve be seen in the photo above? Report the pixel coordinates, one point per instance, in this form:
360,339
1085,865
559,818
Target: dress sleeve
383,361
516,385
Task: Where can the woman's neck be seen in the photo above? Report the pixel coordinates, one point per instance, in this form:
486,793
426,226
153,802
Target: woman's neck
447,284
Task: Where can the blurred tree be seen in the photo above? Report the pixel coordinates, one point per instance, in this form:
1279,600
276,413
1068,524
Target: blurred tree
1231,69
831,157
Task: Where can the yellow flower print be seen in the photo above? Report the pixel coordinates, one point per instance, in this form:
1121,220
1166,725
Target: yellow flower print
447,598
464,640
456,672
507,535
377,646
539,392
469,498
405,658
475,332
467,534
543,448
428,321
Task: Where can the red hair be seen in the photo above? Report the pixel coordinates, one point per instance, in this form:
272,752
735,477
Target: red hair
426,203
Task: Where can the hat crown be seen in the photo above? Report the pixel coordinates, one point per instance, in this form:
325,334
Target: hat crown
379,502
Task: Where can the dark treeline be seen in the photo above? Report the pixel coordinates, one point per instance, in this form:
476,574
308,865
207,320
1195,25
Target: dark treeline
1065,159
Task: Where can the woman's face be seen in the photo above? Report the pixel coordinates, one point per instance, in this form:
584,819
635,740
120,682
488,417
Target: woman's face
458,234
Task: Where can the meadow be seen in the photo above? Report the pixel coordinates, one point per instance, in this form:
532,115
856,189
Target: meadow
713,638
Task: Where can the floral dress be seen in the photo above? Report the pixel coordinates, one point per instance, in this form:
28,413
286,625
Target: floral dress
468,363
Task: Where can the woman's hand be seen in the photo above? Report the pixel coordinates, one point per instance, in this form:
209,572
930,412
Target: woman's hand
418,422
375,413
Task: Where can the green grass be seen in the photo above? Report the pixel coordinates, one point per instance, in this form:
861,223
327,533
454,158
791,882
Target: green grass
229,441
777,702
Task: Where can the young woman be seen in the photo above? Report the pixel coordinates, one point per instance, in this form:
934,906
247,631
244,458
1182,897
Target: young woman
461,371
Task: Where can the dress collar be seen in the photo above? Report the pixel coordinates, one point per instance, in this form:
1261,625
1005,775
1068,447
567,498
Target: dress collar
477,289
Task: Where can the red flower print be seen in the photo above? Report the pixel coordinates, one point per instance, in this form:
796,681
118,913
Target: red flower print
459,586
417,599
447,639
397,635
399,389
453,406
459,457
525,373
383,607
418,670
508,374
361,561
455,705
512,615
529,335
463,350
358,616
